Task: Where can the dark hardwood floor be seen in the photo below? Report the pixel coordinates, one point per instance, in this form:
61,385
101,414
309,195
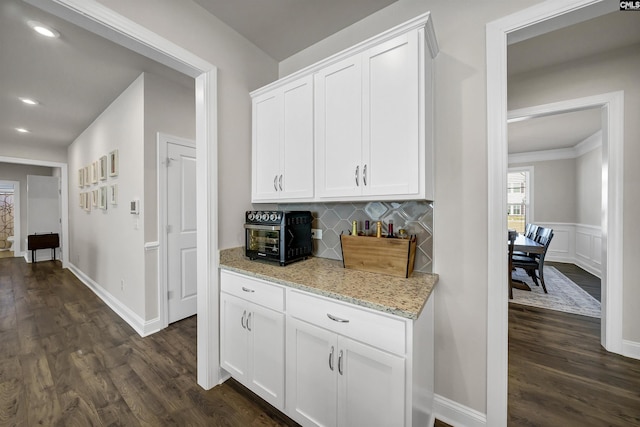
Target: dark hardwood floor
559,375
584,279
66,359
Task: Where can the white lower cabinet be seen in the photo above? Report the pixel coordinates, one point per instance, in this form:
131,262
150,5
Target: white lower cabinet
252,346
325,362
335,381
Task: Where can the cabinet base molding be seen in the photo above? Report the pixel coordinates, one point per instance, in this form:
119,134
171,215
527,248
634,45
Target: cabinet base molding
456,414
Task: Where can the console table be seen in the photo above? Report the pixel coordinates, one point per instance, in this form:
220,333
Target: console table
43,241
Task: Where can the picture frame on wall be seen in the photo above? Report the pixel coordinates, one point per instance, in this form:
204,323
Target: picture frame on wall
102,197
102,168
81,200
94,198
87,176
80,178
94,172
87,202
113,194
114,163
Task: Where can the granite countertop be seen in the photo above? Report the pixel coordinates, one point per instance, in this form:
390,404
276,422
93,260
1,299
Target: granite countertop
394,295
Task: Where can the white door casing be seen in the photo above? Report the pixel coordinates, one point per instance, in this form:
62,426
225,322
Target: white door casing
181,230
99,19
17,233
528,20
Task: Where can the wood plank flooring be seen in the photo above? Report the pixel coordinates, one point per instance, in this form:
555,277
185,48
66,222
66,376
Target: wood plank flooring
66,359
559,375
587,281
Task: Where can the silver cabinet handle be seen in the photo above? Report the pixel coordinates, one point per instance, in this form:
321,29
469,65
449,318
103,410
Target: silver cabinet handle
357,173
244,313
337,319
340,362
280,182
247,289
249,320
364,175
275,182
331,359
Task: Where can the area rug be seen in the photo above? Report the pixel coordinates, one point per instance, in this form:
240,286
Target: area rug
564,295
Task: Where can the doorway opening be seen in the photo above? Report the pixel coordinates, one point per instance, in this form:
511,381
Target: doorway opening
519,206
552,15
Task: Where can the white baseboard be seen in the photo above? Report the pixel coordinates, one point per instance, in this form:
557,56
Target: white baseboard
631,349
456,414
141,326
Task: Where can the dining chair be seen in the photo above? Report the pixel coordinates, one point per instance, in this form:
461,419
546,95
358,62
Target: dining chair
531,264
531,231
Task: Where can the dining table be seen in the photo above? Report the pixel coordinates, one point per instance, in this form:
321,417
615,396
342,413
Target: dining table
524,244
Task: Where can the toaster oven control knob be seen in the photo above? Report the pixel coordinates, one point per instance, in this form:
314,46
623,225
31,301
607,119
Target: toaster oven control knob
273,216
265,216
250,216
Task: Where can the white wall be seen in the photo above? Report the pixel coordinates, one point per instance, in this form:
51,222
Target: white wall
108,246
613,71
17,172
151,104
589,188
460,206
242,67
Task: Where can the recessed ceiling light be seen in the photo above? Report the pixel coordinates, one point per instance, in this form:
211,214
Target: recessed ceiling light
22,130
43,29
29,101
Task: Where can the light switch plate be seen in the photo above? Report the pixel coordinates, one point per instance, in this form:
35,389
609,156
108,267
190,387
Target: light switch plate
316,233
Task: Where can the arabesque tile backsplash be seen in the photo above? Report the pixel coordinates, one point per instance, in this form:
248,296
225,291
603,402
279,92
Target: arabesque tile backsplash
333,218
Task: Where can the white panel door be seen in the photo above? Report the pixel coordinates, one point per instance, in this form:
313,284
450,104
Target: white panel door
338,129
266,353
371,384
391,148
296,150
181,231
311,374
267,118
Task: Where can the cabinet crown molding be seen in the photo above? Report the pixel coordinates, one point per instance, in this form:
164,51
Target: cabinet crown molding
421,21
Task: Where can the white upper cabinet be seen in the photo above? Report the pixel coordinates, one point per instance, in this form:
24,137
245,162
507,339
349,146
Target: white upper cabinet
369,111
282,147
338,129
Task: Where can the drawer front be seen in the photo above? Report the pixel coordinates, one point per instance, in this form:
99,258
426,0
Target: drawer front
253,290
379,330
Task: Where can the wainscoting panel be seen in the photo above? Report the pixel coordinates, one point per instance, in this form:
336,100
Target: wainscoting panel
577,244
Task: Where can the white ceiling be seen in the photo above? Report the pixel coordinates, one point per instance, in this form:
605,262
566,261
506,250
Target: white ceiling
284,27
76,76
617,30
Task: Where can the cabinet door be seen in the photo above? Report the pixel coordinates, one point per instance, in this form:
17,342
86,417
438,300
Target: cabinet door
371,386
233,336
338,129
266,354
311,374
391,140
267,118
296,151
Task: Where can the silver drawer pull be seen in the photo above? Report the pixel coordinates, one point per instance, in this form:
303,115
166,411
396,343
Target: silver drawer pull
331,359
337,319
249,320
244,313
340,363
247,289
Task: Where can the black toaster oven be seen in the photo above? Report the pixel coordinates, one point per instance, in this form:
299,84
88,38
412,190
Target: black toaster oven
278,236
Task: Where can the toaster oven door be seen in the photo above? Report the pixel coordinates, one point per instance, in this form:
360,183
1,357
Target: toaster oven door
262,241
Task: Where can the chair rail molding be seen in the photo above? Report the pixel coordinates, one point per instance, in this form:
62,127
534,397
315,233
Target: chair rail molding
527,23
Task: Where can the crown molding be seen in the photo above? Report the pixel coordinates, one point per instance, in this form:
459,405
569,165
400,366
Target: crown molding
588,144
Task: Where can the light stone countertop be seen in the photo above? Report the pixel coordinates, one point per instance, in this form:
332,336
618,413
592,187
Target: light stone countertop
389,294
